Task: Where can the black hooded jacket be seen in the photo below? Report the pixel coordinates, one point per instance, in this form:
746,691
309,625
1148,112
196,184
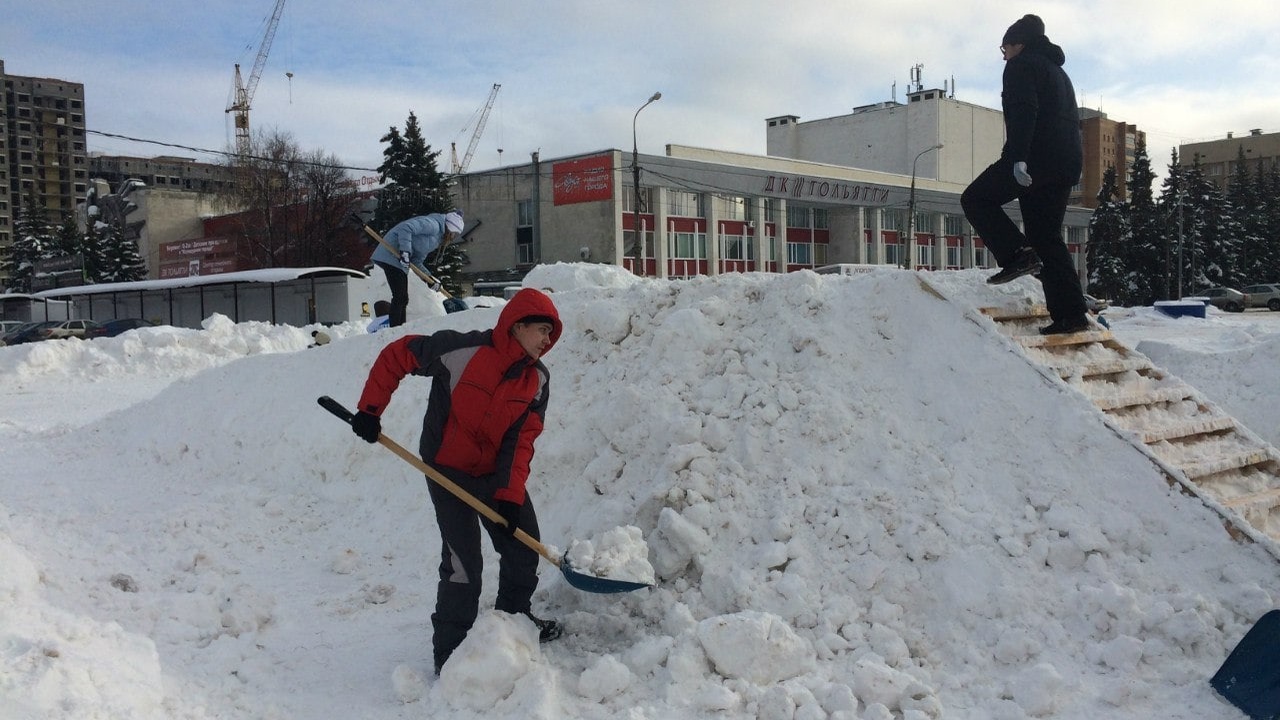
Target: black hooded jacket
1041,119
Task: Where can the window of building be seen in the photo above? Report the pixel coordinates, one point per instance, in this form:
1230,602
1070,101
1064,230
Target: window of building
821,218
893,253
891,219
730,208
688,246
799,254
1075,234
524,213
953,225
737,247
924,223
684,204
924,255
953,257
629,199
980,257
797,216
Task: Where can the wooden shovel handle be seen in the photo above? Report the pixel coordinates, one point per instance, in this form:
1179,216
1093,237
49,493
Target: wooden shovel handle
336,408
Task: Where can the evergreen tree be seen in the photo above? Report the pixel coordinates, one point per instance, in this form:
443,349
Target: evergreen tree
1108,240
34,239
1247,207
415,186
1146,274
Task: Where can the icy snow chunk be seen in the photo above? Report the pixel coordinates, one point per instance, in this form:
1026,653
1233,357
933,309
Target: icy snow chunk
618,554
1037,690
755,646
877,683
499,651
676,541
604,680
408,684
20,576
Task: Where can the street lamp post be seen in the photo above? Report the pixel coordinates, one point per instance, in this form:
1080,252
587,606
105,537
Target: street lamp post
911,210
636,230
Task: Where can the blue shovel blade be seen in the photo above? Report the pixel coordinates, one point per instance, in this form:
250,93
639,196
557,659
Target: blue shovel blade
599,585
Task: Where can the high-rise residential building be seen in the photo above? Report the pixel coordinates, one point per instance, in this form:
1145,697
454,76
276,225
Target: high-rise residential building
1107,143
42,148
1218,158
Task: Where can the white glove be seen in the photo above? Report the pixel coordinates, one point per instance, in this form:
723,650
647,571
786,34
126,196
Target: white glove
404,260
1020,174
434,285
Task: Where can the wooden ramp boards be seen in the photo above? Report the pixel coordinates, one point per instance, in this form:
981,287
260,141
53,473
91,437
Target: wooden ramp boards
1223,460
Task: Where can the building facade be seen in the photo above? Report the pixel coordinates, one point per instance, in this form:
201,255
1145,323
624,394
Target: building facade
42,148
888,137
163,172
1218,158
707,212
1107,143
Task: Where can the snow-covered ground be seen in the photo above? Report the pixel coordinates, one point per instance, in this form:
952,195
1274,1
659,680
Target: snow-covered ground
858,505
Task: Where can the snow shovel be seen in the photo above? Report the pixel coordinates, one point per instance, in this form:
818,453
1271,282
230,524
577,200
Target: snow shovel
1250,677
451,303
582,581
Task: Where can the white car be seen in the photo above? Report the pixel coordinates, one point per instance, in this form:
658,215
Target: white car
68,328
1267,296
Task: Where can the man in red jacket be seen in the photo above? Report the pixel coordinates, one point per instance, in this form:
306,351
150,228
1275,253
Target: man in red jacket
488,395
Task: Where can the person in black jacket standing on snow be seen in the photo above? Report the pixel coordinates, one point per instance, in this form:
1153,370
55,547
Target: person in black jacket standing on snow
1041,161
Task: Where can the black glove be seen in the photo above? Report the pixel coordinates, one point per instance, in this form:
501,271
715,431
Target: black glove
509,512
367,425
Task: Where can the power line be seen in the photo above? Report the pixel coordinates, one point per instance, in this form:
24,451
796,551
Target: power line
223,153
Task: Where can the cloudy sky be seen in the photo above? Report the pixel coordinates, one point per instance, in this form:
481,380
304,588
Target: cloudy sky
573,72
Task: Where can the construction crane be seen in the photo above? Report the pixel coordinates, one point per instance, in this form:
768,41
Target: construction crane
244,92
457,168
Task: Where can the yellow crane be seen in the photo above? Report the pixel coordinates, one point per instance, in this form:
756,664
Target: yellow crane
458,167
244,92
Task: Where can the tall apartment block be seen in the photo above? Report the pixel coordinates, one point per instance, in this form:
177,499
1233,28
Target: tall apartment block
42,148
1107,143
1218,158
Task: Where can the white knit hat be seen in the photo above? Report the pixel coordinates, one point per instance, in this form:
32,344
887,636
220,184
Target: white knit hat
453,221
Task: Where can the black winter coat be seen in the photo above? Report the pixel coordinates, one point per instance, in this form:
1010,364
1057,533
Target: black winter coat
1041,119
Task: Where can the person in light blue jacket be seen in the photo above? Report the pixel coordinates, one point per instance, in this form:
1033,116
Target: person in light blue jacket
415,238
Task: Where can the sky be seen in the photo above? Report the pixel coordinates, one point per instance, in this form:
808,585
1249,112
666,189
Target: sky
574,73
844,522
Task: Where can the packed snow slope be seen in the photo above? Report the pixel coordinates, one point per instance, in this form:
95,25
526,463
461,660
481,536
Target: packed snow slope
860,502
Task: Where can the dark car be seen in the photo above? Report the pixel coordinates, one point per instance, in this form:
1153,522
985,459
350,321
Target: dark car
31,332
112,328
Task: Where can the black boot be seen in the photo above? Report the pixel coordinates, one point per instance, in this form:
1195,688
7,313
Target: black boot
1063,327
548,630
1025,262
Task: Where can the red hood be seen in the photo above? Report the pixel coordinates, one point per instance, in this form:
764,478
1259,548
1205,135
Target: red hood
525,303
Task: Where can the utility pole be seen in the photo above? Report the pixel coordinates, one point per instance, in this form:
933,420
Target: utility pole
636,229
911,211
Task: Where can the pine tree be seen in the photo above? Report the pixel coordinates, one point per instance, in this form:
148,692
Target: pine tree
1247,206
1148,242
34,239
1108,241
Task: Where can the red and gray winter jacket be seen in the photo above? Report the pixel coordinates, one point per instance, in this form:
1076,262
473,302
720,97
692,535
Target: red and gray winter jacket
487,395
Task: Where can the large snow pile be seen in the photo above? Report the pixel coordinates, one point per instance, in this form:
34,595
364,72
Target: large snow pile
856,505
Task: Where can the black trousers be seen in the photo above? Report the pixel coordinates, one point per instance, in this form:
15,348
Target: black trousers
461,563
1043,205
398,281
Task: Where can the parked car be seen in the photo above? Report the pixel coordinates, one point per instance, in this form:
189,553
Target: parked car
67,329
28,333
112,328
1094,305
1226,298
1267,296
8,326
